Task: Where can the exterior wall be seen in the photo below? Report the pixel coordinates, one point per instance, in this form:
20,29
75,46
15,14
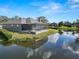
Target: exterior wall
38,32
77,25
28,28
38,27
12,27
0,26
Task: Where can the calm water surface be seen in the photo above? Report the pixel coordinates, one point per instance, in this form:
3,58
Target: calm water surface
56,47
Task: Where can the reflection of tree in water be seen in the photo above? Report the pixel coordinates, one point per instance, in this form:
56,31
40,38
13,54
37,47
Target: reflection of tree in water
33,52
73,32
6,43
46,49
37,54
60,31
33,44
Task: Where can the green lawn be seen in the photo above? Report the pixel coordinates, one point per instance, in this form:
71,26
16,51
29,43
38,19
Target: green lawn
27,37
68,28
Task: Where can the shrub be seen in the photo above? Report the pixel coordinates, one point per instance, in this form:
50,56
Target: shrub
7,33
68,28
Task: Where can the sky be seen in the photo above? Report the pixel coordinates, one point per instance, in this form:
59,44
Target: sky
53,10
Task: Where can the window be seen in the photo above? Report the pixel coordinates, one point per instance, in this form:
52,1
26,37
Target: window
17,25
11,24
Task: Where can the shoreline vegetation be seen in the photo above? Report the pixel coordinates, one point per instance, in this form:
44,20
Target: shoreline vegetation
6,35
23,37
65,28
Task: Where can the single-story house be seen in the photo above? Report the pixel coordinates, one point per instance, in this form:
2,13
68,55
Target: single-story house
53,24
67,24
24,25
76,24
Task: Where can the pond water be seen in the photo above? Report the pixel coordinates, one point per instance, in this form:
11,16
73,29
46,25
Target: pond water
56,47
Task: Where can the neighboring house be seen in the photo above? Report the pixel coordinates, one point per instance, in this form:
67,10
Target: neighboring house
67,24
24,25
53,24
76,24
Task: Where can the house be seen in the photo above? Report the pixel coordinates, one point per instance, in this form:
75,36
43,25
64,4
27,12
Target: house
25,25
76,24
67,24
53,25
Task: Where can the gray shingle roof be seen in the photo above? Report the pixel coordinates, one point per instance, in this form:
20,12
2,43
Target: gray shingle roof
23,21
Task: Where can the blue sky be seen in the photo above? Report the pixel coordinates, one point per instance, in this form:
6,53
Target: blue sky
53,10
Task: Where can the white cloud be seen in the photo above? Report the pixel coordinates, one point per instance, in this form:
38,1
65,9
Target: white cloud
56,7
44,7
51,7
75,6
73,3
36,4
4,10
47,11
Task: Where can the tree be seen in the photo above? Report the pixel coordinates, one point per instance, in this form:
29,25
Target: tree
77,21
16,17
42,19
3,18
67,23
60,23
29,19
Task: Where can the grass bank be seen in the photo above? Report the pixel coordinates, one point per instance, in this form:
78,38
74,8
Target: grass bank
68,28
45,34
23,37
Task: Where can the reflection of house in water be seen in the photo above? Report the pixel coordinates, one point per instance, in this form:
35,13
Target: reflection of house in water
37,52
33,44
32,48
